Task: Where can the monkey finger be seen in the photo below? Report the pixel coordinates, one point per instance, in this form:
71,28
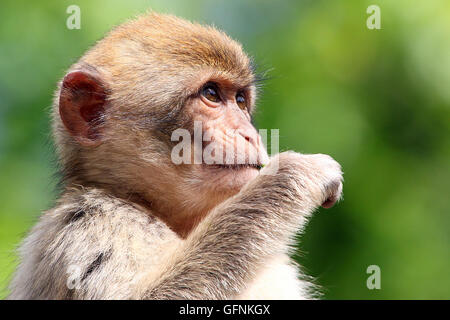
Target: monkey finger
335,195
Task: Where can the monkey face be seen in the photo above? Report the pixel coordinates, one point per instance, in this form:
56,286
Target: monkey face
231,149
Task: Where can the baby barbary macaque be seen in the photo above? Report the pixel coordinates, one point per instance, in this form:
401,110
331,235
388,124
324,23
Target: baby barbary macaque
132,224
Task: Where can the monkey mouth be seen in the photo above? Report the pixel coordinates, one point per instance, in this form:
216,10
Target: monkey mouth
236,166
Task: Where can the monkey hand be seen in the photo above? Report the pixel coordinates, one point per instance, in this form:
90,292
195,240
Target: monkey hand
317,177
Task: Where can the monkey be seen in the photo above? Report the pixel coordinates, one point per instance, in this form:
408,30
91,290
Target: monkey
129,222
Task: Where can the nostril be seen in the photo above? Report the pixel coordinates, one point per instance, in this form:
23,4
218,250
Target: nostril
247,137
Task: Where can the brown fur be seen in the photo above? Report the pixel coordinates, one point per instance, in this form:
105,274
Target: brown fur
137,226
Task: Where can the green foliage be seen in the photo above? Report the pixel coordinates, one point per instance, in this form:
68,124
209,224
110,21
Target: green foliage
376,100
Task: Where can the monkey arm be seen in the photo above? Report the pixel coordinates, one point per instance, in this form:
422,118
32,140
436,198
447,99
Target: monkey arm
223,253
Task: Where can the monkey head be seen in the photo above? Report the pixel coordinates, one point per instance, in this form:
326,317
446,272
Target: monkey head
118,107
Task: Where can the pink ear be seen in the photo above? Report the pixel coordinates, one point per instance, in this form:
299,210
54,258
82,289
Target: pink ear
82,105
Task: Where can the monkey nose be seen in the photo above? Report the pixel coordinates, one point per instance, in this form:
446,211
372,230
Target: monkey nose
252,137
249,137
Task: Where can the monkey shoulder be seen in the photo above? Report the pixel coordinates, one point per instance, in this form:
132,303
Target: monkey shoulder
88,240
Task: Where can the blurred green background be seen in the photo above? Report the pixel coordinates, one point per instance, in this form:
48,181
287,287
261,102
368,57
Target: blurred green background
378,101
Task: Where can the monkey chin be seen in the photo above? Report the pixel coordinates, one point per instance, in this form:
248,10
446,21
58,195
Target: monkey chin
229,178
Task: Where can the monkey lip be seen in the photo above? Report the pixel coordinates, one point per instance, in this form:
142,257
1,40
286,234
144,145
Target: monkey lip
229,177
235,166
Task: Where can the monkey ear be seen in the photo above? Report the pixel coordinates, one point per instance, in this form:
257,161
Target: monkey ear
82,105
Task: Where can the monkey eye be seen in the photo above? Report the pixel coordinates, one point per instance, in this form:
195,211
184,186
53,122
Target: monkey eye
210,92
240,100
